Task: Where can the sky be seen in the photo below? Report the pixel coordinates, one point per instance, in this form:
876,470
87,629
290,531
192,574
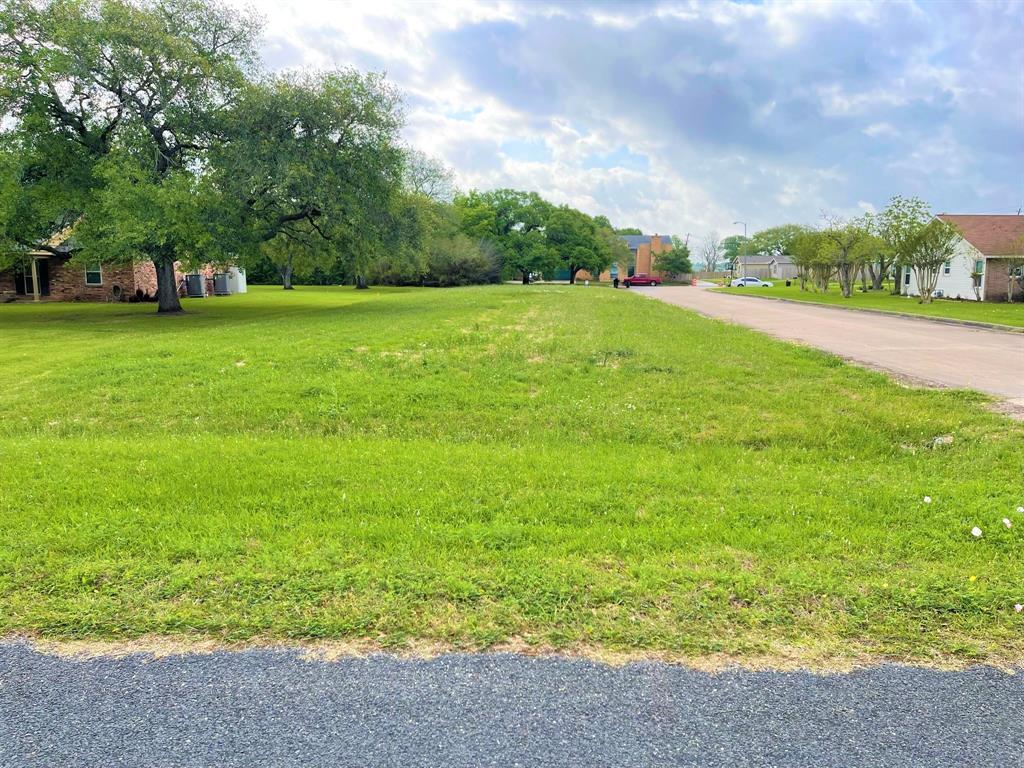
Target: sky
686,117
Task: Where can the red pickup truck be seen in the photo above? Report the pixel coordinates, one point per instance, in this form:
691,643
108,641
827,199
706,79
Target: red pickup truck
641,279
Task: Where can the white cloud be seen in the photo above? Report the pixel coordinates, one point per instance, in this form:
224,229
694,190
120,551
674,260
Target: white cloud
766,113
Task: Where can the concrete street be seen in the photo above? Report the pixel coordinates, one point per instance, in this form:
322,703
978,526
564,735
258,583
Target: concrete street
931,352
272,708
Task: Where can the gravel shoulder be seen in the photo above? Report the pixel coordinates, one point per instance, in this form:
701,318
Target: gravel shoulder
274,708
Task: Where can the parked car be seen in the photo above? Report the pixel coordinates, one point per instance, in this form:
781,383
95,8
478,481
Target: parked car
642,279
750,282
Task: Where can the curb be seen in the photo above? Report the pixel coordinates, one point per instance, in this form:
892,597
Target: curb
927,318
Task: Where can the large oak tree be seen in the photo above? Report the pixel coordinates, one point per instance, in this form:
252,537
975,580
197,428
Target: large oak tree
134,90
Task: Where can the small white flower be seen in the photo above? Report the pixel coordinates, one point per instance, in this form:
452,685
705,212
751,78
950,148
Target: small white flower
1021,510
1007,523
976,532
927,499
1018,607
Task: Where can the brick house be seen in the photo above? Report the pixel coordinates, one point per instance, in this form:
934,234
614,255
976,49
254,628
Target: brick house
991,245
45,275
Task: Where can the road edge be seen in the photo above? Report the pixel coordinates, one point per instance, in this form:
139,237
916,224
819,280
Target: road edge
871,311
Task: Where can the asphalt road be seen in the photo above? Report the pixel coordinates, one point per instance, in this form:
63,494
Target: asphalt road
271,708
936,353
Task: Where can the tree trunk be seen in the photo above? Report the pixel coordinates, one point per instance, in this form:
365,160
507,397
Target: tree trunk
361,283
572,276
526,278
286,276
877,277
166,287
897,280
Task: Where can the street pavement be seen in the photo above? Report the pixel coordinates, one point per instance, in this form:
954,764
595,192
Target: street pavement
274,708
935,353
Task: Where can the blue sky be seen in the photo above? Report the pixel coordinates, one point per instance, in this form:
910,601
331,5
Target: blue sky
685,117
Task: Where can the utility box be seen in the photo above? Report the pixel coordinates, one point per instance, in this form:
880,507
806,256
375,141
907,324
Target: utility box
236,280
195,286
220,284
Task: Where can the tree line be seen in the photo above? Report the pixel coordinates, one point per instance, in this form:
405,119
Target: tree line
148,130
874,248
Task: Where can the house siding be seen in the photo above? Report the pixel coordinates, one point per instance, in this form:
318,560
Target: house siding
958,284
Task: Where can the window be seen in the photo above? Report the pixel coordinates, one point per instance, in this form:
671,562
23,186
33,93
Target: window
906,277
979,266
945,268
93,275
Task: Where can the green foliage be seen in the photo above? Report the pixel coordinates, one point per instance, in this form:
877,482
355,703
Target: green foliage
675,262
458,260
628,231
136,211
774,241
734,246
579,243
926,250
314,157
394,466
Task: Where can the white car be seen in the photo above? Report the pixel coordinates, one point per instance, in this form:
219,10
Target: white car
750,282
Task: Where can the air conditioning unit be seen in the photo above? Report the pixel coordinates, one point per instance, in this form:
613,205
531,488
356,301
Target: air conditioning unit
220,285
195,286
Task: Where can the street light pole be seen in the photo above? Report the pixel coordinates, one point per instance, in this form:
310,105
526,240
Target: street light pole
732,264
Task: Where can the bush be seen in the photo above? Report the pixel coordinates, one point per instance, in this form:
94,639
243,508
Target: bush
460,261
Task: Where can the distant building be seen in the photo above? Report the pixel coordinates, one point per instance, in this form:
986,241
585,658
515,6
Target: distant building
643,251
766,267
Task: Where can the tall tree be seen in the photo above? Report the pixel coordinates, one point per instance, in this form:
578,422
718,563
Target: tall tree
676,261
926,251
577,242
428,176
148,79
805,248
316,158
844,244
511,221
898,224
732,247
711,252
774,241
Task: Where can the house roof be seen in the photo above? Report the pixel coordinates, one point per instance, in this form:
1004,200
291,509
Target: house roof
764,258
60,242
992,234
634,241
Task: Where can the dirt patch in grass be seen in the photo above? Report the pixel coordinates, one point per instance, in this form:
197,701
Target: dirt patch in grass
785,658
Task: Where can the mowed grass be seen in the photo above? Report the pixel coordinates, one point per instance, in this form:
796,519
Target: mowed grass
974,311
562,466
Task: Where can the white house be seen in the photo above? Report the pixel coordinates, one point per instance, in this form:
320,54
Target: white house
988,243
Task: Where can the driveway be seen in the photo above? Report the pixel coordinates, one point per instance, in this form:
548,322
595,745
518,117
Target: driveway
934,353
272,708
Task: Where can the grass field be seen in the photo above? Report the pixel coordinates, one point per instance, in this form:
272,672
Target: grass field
975,311
560,466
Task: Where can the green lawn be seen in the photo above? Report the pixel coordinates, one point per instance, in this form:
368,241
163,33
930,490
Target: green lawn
561,466
977,311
